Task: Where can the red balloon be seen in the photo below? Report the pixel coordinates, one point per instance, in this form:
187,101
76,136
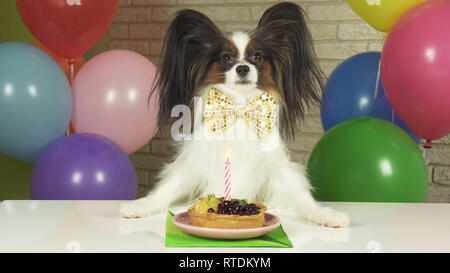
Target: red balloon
63,62
68,27
415,69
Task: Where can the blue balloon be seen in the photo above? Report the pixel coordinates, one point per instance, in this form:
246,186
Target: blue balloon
35,101
401,124
350,93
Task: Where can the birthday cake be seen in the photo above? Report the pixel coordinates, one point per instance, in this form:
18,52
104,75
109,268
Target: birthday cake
215,212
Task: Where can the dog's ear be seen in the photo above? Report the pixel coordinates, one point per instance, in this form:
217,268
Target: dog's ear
298,77
189,42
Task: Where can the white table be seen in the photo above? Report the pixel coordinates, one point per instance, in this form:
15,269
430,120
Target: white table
94,226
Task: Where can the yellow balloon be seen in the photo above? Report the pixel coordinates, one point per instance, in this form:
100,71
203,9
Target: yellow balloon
382,14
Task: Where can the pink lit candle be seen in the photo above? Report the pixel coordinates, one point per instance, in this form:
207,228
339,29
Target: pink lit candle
228,177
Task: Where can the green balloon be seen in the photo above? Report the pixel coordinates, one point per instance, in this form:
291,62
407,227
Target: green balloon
367,160
12,27
15,178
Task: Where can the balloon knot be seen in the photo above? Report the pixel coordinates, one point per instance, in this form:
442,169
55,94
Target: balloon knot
71,61
428,145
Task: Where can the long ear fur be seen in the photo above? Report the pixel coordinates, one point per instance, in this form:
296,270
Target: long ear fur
298,77
185,58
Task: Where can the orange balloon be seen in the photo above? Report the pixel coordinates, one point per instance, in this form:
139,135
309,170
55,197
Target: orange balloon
63,62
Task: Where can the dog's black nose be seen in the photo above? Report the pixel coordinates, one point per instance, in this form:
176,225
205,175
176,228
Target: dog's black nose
242,70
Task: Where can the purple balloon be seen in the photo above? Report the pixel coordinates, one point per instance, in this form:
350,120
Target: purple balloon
84,167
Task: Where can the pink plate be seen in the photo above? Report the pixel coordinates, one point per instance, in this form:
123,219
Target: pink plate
183,221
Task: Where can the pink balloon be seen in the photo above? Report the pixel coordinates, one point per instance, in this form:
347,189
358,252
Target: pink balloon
415,69
110,98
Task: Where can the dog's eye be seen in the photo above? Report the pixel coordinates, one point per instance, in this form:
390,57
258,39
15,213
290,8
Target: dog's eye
257,57
226,58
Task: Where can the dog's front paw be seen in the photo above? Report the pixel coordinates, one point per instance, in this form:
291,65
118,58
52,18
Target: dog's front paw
330,218
337,220
133,209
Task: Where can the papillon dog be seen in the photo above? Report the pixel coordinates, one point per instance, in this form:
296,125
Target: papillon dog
252,89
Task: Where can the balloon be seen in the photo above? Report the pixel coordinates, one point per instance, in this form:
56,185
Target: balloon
35,101
12,27
110,98
84,167
367,160
68,27
99,47
15,177
415,68
401,124
382,14
350,90
63,62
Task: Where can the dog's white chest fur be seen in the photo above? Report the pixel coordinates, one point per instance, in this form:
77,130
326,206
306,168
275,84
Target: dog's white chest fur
252,158
260,171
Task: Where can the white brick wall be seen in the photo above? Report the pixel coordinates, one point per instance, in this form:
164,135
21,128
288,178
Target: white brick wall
338,33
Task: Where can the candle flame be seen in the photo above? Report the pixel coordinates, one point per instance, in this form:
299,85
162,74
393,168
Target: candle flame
228,155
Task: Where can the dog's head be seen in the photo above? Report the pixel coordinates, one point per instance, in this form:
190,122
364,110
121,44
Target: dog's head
276,57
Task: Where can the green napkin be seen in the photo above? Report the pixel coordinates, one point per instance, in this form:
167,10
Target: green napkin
175,237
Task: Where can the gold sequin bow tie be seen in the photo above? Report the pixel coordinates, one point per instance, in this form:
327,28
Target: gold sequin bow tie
221,112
